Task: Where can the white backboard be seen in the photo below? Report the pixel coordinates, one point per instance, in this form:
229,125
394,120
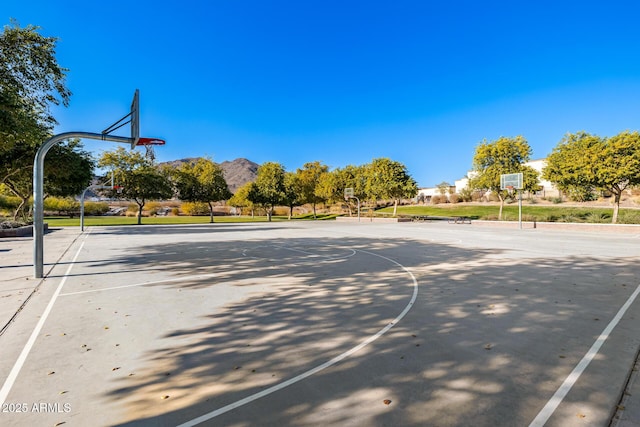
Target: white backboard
511,180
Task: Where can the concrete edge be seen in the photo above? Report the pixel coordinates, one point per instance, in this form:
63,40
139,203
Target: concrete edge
573,226
25,231
369,219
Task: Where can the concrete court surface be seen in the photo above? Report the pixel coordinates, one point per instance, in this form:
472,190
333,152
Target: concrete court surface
319,324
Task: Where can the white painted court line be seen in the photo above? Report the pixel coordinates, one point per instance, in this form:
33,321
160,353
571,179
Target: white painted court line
187,278
546,412
134,285
13,375
318,368
323,257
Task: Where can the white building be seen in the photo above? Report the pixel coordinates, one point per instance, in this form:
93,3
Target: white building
547,189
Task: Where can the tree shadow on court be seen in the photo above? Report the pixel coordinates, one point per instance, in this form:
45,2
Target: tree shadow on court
487,342
180,229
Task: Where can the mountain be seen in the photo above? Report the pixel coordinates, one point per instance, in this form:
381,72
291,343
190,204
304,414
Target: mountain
236,172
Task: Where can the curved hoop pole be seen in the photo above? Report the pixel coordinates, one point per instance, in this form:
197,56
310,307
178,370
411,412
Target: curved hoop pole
38,189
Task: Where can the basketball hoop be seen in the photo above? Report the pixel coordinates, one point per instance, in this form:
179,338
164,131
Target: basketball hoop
148,144
150,141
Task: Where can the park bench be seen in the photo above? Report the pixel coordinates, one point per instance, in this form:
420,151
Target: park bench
459,220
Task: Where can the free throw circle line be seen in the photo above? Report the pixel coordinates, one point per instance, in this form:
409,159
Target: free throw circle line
318,368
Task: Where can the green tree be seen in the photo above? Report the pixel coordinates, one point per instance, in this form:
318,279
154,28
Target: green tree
140,181
331,184
68,170
268,190
582,162
618,167
309,178
293,195
443,188
571,165
241,198
502,156
31,81
389,179
202,181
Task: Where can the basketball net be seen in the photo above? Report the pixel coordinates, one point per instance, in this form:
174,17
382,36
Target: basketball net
150,153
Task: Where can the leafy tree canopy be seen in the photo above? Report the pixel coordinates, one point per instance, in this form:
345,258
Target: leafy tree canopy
202,181
582,162
139,180
268,190
502,156
31,81
308,179
389,179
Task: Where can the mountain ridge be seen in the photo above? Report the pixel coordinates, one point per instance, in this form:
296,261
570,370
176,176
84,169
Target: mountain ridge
236,172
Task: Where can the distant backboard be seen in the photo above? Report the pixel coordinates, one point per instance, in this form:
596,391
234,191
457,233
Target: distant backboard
348,192
135,119
511,180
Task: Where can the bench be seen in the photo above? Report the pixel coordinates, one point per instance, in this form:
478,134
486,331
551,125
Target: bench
459,220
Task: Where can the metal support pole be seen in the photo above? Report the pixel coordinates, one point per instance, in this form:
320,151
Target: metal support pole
38,189
520,208
82,207
354,197
82,200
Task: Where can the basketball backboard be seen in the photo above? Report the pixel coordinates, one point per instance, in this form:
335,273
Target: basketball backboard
513,180
135,119
348,192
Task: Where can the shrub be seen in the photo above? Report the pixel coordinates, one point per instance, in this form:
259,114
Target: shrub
95,208
476,196
195,208
152,207
435,200
597,217
493,197
455,198
465,194
175,211
8,202
61,205
568,218
284,211
629,217
557,200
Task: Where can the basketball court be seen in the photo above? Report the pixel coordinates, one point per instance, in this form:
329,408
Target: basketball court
319,323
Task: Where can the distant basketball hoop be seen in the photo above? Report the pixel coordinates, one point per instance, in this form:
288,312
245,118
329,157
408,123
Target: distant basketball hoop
510,182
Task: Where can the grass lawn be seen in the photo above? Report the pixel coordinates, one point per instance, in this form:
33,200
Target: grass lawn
480,211
156,220
529,213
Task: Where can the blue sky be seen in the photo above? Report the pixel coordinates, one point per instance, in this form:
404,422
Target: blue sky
343,82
